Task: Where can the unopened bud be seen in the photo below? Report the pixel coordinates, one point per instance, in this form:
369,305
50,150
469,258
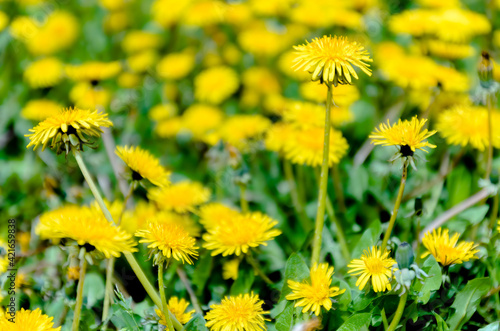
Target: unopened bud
404,256
485,70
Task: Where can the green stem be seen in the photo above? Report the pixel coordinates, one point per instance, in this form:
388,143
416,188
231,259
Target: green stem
394,215
339,230
189,288
108,294
490,137
339,192
257,269
79,292
243,200
297,204
130,258
494,214
301,184
162,289
323,181
125,201
384,319
417,249
399,312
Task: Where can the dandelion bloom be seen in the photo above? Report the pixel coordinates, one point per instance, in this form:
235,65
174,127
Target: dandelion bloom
44,73
445,249
408,135
180,197
277,136
138,40
317,294
216,84
171,240
85,95
40,109
29,320
240,130
178,308
212,118
68,129
375,265
241,313
238,234
331,59
87,227
468,125
93,71
143,165
214,214
175,66
230,269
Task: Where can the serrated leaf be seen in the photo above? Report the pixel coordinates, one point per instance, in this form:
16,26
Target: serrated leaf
296,269
431,283
356,322
466,301
368,239
93,288
197,323
284,321
441,324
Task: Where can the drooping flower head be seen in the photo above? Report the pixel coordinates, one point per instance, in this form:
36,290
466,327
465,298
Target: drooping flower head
32,320
238,234
445,249
316,294
69,130
178,308
408,135
168,240
373,265
241,313
143,165
331,59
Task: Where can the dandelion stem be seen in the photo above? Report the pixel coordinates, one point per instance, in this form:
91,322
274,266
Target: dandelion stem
490,137
384,319
399,312
109,290
189,288
297,204
394,215
323,182
243,200
257,269
130,258
79,291
494,213
162,289
339,193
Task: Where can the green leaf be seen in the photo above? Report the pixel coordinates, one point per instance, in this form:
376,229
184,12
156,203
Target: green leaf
441,324
197,323
431,283
466,301
284,321
474,215
495,326
202,272
356,322
296,269
243,284
358,182
361,299
93,288
344,299
368,239
122,315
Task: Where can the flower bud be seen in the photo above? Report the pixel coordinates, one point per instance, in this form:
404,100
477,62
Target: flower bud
404,256
485,70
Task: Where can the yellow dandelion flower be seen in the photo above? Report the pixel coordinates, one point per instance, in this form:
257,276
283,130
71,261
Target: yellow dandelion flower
24,238
238,14
85,95
4,260
451,51
240,313
270,7
73,273
312,296
169,12
214,214
68,130
162,112
93,71
409,71
305,115
180,197
205,13
29,320
241,130
199,119
321,14
306,147
178,308
375,265
183,220
137,41
129,80
143,165
171,240
87,227
116,21
176,66
237,235
468,125
445,249
277,136
343,95
113,5
142,61
21,280
41,109
408,135
230,269
331,59
4,20
439,4
414,22
261,79
169,127
458,25
452,80
261,42
44,73
285,64
215,85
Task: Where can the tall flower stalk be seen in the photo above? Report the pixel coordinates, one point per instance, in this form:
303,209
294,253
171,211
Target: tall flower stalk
79,291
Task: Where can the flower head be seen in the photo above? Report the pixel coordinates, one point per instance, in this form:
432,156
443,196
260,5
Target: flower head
375,265
29,320
214,214
312,296
331,59
238,234
180,197
43,73
241,313
215,85
445,249
240,130
408,135
178,308
68,129
230,269
143,165
137,40
175,66
93,71
40,109
168,240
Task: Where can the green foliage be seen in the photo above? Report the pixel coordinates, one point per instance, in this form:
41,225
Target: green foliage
357,322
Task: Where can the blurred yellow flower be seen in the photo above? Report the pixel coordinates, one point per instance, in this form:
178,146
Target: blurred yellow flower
261,79
240,313
169,127
322,14
343,95
116,21
415,22
180,197
277,136
459,25
178,308
240,130
93,71
4,20
86,96
316,294
138,41
162,111
139,217
43,73
73,273
29,320
39,110
113,5
199,119
204,13
129,80
452,51
259,41
214,214
142,61
175,66
215,85
375,265
445,249
285,64
168,12
230,269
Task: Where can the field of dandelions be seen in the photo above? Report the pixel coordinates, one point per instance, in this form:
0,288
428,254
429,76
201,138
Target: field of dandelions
249,165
